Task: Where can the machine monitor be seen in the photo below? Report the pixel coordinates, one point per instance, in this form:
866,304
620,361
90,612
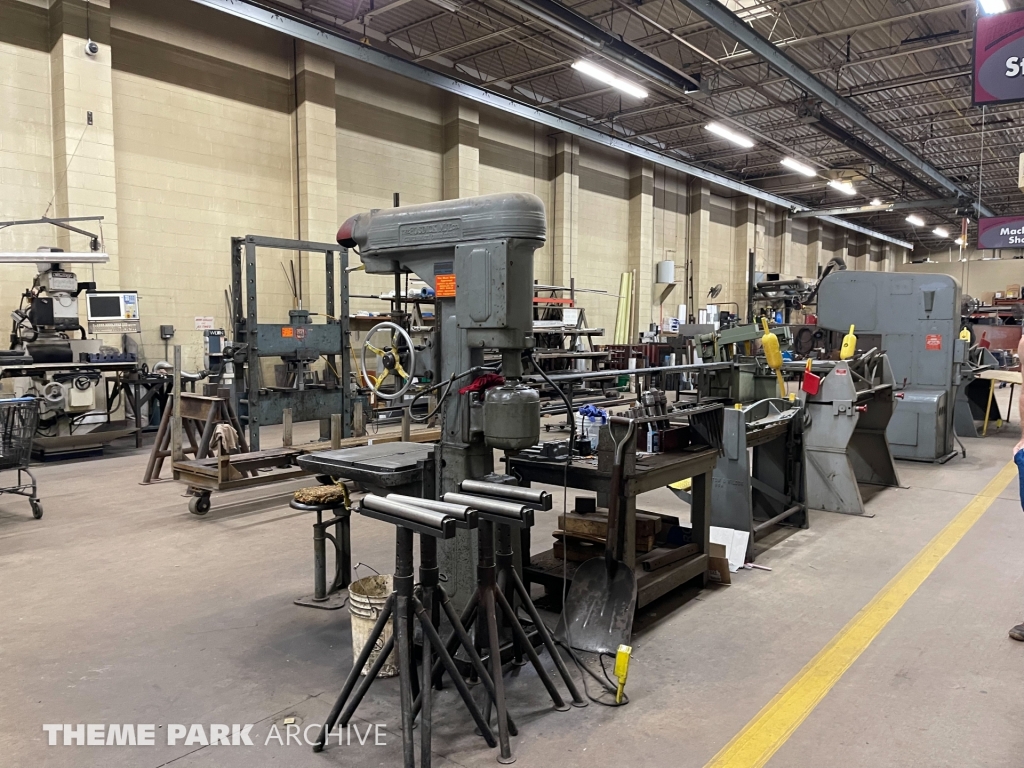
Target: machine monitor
117,312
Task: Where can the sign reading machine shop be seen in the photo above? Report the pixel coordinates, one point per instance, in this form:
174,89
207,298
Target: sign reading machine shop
1001,232
999,58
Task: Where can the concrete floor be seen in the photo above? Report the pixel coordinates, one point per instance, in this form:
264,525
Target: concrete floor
121,607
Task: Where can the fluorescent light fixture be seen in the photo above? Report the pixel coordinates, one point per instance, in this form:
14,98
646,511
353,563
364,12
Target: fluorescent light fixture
876,201
959,241
941,232
609,78
917,221
796,165
993,6
729,134
448,6
748,9
843,186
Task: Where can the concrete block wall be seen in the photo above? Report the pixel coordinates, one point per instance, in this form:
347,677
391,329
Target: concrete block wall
670,234
603,231
26,141
207,127
204,140
389,139
723,245
515,156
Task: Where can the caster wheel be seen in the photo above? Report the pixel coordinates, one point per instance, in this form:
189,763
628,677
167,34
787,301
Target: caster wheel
37,508
199,505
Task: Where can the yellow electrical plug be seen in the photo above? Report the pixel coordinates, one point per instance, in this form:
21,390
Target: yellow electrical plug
849,346
773,355
622,657
965,334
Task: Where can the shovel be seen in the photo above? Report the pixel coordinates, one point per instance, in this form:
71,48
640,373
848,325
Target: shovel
598,612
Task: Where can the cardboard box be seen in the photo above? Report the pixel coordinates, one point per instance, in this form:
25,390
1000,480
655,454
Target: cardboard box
986,298
1013,291
718,564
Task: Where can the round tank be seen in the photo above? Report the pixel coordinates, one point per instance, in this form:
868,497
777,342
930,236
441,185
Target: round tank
512,417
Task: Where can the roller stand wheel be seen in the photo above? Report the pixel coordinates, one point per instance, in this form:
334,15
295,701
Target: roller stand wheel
37,508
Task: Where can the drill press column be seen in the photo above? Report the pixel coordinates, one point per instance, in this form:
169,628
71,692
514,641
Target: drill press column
477,254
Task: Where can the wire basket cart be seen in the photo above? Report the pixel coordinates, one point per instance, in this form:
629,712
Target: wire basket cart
19,418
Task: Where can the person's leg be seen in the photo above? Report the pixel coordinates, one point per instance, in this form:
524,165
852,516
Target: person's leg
1017,633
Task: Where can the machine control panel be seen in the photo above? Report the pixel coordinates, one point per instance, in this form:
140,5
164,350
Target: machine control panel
113,312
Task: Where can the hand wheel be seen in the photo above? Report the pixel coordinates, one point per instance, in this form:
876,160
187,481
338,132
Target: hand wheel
390,359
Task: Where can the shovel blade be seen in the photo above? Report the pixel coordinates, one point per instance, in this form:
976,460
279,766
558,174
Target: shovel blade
598,612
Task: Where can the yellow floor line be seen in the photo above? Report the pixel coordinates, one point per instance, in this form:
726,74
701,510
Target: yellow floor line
772,726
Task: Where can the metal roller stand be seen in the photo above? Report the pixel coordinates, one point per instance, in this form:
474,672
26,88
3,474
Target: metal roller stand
482,609
400,607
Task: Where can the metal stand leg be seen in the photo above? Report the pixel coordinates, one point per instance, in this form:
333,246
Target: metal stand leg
319,559
499,683
524,596
343,543
400,608
434,639
461,637
353,675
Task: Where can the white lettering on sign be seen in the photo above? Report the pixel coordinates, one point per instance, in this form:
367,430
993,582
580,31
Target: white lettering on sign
1014,66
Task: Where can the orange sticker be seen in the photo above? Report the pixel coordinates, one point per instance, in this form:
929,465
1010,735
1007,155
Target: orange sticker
287,332
444,286
933,342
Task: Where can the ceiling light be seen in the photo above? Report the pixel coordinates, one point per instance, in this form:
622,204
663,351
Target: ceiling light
877,202
448,6
729,134
747,9
941,232
843,186
796,165
917,221
993,6
959,241
609,78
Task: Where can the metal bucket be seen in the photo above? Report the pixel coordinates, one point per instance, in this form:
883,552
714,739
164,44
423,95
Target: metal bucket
366,598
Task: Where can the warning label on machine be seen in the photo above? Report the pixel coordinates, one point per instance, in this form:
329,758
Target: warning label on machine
444,286
444,280
933,342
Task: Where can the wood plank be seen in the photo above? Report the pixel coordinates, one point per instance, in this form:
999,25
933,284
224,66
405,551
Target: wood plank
596,523
653,584
643,543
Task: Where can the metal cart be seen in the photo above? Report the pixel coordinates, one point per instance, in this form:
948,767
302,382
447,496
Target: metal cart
19,418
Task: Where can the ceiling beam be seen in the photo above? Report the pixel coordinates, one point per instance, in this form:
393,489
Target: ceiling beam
303,28
743,33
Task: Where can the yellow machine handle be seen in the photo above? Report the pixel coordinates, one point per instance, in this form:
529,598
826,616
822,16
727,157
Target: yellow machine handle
773,355
622,657
849,346
965,334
